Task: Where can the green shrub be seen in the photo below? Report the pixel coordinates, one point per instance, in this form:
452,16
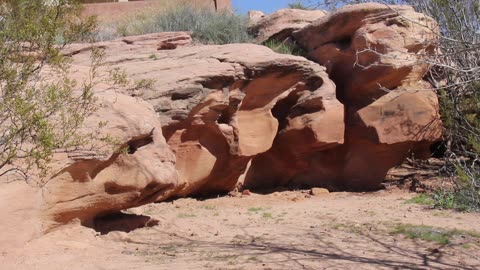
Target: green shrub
298,5
423,232
432,234
207,26
39,114
464,198
256,209
285,48
423,199
107,31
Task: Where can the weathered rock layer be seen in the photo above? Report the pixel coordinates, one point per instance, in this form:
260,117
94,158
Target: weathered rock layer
222,105
376,55
209,119
101,182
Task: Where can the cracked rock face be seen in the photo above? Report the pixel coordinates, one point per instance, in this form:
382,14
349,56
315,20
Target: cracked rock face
223,105
368,47
375,55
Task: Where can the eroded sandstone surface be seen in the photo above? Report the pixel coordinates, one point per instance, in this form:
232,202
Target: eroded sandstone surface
376,55
136,169
202,119
222,105
139,171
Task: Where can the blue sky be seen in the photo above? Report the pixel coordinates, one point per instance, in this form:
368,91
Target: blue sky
267,6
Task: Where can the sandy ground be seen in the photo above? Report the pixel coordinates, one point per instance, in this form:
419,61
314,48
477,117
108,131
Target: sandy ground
281,230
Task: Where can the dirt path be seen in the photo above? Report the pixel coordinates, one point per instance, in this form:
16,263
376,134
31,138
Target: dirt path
284,230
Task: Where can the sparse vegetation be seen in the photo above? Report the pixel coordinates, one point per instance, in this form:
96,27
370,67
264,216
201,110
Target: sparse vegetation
255,209
455,199
207,26
460,99
186,215
427,233
119,76
267,215
423,199
40,115
144,84
298,5
351,228
285,48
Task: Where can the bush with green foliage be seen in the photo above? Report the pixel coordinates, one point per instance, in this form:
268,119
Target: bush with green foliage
298,5
432,234
207,26
456,75
41,108
283,47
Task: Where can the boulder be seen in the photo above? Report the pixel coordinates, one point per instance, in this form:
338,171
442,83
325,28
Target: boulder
209,119
160,41
375,55
224,107
220,106
164,40
140,171
137,167
238,100
280,24
21,211
310,133
319,191
255,15
370,47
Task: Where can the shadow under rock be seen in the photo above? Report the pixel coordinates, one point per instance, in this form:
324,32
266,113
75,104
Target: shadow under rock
122,222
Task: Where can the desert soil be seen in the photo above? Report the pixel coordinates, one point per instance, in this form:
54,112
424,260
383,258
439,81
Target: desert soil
280,230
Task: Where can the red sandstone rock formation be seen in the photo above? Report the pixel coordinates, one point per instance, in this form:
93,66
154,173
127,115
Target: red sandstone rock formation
89,185
223,105
376,55
220,106
241,114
